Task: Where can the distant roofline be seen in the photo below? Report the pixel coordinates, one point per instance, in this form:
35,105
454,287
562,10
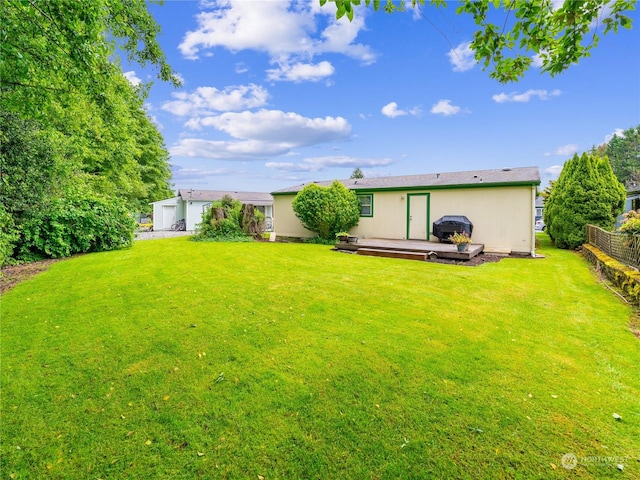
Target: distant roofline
193,195
517,176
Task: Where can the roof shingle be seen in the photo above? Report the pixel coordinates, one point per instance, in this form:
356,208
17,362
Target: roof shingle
255,198
510,176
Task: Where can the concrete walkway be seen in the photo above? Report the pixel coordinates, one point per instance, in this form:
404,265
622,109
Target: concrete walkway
160,234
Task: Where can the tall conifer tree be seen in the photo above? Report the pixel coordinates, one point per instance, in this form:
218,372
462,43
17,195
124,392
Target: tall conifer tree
587,192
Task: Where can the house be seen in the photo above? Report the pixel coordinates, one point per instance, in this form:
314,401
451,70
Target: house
539,207
190,204
500,203
632,202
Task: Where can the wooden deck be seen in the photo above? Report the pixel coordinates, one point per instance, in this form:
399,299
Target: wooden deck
411,249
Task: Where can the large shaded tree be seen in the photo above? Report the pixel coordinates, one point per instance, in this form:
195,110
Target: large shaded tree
48,48
624,154
29,171
59,67
76,131
510,32
586,192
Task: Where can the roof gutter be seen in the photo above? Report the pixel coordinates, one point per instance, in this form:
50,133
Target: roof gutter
364,188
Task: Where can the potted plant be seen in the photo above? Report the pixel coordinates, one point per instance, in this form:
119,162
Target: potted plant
461,240
342,236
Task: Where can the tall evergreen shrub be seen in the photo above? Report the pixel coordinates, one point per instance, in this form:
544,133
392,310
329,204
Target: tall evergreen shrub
587,192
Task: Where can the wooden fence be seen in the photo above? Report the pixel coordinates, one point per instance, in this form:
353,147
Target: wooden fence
622,247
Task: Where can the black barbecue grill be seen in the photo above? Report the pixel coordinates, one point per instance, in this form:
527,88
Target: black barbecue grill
446,226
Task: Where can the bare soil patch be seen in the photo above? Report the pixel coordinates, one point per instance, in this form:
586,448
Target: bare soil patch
11,275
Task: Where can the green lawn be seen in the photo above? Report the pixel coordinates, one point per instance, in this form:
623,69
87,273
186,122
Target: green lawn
177,359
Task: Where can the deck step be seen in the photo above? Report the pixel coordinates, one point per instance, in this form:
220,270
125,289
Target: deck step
375,252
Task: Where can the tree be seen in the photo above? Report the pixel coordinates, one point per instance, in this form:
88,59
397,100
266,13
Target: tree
559,37
28,169
357,173
624,154
77,149
547,191
586,192
327,210
57,46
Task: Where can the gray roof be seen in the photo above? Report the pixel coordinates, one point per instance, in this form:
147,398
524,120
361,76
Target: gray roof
255,198
502,176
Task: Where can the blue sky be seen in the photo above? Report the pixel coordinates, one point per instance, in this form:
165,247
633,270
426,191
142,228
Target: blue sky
280,93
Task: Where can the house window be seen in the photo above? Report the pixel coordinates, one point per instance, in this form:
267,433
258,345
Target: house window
366,205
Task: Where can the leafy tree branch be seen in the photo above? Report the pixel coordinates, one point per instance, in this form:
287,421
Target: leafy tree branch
558,37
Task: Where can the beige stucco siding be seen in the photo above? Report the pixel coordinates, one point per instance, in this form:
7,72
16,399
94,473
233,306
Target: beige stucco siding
503,217
389,217
285,222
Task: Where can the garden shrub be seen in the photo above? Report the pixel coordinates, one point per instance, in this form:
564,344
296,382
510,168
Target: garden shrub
77,222
229,220
8,236
327,210
318,241
631,223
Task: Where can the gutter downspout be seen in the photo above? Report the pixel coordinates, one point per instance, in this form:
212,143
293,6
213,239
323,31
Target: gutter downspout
533,221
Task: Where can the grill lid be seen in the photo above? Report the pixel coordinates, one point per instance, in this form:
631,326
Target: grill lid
449,224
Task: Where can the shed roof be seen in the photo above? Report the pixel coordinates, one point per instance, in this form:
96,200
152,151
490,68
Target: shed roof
255,198
476,178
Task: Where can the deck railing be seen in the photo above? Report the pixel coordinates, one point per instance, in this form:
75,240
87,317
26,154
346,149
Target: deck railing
622,247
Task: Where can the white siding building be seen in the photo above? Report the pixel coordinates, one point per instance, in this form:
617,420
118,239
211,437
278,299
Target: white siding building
190,204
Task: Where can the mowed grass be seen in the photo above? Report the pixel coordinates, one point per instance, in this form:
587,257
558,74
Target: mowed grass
177,359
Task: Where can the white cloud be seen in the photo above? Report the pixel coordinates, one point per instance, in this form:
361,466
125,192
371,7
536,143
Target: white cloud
133,78
564,151
618,131
227,150
391,110
552,172
278,126
239,25
241,67
206,100
462,57
301,72
315,164
526,96
265,133
285,30
536,60
339,37
183,173
444,107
